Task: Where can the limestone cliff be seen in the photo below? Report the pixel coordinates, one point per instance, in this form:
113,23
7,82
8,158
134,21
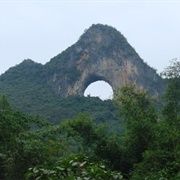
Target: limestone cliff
101,53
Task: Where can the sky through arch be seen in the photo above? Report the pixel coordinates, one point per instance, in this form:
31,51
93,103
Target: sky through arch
99,89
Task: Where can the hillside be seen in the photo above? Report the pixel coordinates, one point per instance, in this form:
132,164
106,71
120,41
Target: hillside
101,53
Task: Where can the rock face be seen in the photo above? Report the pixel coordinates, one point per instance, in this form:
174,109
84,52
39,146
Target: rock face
101,53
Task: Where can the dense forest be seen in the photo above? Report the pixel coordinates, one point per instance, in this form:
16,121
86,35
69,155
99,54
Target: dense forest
142,142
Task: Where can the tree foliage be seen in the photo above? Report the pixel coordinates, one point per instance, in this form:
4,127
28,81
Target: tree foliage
173,70
171,110
161,159
74,167
24,142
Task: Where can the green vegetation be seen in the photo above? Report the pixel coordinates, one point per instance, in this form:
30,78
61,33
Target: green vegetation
28,141
146,148
73,167
26,88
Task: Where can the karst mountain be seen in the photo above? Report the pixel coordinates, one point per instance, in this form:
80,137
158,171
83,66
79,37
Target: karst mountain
101,53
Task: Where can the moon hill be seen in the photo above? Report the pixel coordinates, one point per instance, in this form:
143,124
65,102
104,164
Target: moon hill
101,53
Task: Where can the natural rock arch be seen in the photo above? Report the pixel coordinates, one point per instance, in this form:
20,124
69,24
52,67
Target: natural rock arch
101,53
107,70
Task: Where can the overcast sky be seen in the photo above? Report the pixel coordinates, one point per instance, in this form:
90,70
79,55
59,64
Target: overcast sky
39,30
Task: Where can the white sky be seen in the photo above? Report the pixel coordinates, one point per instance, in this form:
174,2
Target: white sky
40,30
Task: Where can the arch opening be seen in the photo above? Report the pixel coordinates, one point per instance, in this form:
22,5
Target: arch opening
99,89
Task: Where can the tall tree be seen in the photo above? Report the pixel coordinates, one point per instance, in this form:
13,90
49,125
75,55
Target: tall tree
139,120
171,109
162,159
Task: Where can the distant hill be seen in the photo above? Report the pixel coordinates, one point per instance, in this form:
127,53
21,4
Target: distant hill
101,53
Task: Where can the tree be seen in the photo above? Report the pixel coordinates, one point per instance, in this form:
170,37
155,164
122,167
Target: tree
173,70
139,120
162,159
171,110
4,104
